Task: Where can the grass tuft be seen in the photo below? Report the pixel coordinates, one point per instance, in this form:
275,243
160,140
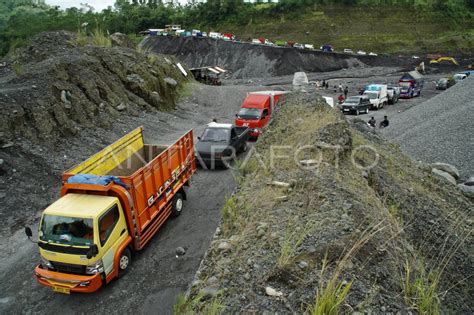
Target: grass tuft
292,241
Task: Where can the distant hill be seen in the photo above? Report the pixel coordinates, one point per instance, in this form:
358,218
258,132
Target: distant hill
392,29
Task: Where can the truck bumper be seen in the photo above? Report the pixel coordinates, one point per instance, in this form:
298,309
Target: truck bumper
68,282
254,133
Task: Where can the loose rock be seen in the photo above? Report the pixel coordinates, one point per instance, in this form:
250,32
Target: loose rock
272,292
444,176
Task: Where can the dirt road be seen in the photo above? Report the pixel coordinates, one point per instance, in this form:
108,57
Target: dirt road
156,276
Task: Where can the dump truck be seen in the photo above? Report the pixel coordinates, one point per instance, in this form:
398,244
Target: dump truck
411,84
110,206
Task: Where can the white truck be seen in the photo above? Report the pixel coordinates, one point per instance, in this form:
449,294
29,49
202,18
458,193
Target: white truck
377,94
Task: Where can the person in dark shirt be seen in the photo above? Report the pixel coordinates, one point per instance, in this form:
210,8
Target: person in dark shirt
384,123
372,122
346,90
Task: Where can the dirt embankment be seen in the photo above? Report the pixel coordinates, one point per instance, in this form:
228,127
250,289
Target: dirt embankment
251,61
358,226
54,92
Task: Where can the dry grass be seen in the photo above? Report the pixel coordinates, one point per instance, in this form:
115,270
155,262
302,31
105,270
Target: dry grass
331,294
294,237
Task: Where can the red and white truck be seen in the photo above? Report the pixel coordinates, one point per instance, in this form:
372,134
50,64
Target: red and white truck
256,110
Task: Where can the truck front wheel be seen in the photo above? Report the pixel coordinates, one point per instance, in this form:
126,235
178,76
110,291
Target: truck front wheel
124,262
177,205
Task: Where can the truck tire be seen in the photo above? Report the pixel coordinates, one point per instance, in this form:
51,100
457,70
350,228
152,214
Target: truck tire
177,205
124,262
244,147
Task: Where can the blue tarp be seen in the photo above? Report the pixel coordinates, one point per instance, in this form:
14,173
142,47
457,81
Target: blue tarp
95,179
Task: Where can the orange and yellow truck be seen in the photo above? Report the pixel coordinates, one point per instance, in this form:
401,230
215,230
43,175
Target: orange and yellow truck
110,206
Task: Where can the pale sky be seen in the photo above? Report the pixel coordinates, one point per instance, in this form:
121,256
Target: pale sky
98,5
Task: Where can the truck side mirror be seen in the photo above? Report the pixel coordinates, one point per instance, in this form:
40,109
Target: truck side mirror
28,231
93,251
199,138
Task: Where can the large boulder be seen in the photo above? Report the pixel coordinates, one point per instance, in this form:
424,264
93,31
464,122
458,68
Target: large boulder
122,40
444,176
448,168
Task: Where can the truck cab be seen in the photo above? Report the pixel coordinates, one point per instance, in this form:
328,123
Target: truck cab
377,95
82,235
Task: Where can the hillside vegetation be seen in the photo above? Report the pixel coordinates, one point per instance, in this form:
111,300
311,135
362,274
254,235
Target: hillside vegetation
383,26
329,218
389,29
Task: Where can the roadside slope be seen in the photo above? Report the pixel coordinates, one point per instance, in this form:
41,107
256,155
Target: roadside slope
440,129
388,235
245,60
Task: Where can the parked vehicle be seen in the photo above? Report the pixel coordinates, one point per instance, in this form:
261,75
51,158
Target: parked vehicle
111,204
372,54
228,36
377,94
256,41
444,60
348,51
393,94
298,46
360,52
195,32
257,109
444,83
459,77
280,43
308,46
326,48
410,84
219,144
215,35
356,104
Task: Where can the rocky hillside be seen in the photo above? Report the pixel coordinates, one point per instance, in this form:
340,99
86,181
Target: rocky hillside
62,99
329,218
245,60
58,85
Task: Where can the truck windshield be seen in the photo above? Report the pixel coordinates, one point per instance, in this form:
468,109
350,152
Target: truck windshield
249,113
67,230
372,95
215,135
405,84
352,100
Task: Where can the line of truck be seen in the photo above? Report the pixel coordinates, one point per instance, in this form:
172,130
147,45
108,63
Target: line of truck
220,143
113,203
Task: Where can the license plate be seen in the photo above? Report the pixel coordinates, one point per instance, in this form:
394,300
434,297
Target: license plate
62,290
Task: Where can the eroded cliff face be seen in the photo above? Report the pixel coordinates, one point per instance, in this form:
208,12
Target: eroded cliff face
54,87
248,61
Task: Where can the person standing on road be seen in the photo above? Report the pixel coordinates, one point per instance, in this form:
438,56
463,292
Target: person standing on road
384,123
346,90
340,88
327,85
324,84
372,122
341,99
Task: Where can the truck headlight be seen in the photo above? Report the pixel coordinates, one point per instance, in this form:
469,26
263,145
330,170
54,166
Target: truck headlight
256,130
46,264
97,267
